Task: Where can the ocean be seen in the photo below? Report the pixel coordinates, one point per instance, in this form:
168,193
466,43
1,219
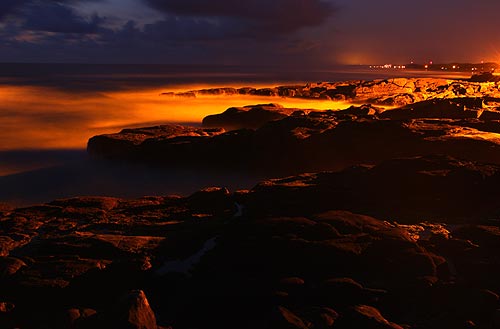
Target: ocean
49,111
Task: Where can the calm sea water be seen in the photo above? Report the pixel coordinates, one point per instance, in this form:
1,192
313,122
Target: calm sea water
49,111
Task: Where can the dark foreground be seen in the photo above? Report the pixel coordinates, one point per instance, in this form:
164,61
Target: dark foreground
290,253
405,236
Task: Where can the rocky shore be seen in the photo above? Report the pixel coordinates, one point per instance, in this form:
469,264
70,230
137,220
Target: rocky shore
384,217
290,253
391,92
271,138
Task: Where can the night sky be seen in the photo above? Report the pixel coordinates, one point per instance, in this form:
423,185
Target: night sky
305,33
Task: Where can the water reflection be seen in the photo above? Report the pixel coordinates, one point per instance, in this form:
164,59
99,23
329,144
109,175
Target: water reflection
45,118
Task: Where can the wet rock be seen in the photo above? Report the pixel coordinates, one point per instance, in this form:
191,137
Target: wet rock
393,92
367,110
6,307
248,117
286,319
321,317
292,281
411,241
490,115
5,208
438,109
6,245
217,91
485,77
209,199
127,142
134,312
9,266
345,291
79,317
404,190
285,143
364,316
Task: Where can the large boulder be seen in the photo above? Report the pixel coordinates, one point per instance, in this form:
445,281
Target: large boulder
134,312
248,117
364,316
127,142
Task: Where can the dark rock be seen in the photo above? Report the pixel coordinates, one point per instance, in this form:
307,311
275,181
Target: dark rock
490,115
344,249
77,318
285,319
211,200
364,316
248,117
5,208
6,245
127,142
360,111
188,94
321,317
438,109
6,307
459,304
286,143
134,312
266,92
217,91
92,250
393,92
9,266
403,189
484,77
344,291
292,281
315,317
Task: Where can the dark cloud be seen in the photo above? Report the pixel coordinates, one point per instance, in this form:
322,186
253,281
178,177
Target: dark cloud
174,29
273,16
9,6
49,15
156,43
190,31
59,18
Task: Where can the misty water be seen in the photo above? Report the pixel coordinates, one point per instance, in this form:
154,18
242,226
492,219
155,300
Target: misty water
49,111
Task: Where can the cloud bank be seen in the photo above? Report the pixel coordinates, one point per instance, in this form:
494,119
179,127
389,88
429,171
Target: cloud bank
188,31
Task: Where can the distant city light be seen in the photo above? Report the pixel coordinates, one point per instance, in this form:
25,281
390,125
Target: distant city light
443,67
388,66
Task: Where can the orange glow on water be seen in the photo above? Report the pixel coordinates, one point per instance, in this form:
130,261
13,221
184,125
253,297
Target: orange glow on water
45,118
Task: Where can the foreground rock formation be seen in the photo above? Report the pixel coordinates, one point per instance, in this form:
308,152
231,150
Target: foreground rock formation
286,141
290,253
